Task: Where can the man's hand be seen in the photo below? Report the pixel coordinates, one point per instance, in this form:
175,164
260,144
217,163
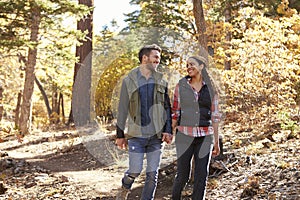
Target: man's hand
167,137
121,143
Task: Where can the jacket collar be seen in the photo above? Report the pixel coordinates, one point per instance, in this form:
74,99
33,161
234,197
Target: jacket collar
133,75
184,81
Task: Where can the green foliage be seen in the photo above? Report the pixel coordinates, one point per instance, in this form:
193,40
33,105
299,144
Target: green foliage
289,124
57,39
11,77
216,7
16,18
173,14
158,20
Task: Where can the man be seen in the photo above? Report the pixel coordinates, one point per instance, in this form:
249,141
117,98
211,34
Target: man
144,100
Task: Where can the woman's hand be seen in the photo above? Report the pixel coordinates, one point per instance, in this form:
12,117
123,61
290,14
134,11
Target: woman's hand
216,149
167,137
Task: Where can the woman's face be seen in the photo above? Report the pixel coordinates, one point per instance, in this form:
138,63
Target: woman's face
193,67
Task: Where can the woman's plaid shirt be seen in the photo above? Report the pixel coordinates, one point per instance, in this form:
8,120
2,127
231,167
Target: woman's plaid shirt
191,130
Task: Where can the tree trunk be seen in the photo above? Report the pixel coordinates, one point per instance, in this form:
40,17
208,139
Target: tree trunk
54,100
58,103
54,119
17,111
81,94
227,14
200,23
26,107
38,83
294,4
61,98
1,102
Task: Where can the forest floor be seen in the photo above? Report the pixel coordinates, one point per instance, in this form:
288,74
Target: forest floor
85,164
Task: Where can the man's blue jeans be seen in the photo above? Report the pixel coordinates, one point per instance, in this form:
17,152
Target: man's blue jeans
186,148
138,147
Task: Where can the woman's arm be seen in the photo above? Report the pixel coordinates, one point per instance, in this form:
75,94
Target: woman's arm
215,123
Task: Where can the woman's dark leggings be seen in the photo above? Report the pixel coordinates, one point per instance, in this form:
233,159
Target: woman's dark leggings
186,148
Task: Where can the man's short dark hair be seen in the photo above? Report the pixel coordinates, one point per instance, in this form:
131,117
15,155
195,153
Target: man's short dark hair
147,49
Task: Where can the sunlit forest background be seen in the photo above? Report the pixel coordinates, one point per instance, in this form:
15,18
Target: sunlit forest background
59,79
253,46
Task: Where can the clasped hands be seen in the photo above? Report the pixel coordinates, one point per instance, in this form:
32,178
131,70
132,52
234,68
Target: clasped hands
122,142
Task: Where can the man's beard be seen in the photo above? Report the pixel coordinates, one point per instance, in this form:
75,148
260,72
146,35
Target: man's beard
151,66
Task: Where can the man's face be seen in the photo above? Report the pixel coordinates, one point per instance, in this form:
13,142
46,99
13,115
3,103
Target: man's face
153,60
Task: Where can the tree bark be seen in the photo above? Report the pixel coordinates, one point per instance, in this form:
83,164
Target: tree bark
58,103
38,83
1,102
55,100
81,94
17,111
227,13
294,4
26,107
61,98
200,23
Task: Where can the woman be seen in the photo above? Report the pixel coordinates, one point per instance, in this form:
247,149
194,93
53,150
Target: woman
195,117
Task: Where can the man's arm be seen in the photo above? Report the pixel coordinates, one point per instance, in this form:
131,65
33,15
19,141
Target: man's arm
175,107
167,130
122,116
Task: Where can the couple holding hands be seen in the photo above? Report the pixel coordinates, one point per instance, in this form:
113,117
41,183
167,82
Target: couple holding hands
193,118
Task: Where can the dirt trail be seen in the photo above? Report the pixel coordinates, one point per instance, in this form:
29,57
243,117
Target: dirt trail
85,164
87,158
